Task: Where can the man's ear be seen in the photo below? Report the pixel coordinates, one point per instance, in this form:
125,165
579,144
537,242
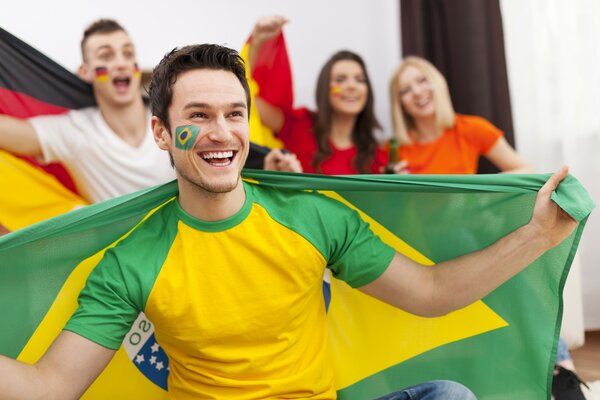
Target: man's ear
162,137
83,72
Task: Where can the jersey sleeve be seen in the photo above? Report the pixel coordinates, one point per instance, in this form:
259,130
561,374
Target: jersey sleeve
358,256
54,133
347,244
106,307
482,134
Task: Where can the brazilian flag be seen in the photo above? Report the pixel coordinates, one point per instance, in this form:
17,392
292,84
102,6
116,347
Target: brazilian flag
502,346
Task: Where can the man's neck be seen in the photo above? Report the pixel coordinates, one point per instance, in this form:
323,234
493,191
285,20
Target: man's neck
208,206
129,122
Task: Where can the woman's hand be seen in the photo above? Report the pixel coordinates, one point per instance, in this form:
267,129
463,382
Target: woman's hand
267,28
401,167
278,160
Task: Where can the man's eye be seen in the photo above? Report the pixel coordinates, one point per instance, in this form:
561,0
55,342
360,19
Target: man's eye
198,115
105,56
237,114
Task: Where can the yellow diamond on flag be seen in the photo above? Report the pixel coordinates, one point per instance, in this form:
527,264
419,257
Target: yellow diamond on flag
367,336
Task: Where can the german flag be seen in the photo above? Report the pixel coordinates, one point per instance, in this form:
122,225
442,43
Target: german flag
31,84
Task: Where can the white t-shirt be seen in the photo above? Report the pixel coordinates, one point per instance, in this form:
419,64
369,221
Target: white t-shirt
102,165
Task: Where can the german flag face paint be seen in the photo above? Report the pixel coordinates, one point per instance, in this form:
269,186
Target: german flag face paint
101,74
136,71
185,136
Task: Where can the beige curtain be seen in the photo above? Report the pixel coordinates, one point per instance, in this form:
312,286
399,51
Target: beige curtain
553,59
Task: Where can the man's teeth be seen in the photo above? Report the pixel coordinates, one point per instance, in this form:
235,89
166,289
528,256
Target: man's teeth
218,154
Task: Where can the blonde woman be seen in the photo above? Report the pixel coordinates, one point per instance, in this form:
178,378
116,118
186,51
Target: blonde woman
432,138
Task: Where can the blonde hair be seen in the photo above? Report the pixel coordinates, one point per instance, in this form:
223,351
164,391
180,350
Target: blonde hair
402,122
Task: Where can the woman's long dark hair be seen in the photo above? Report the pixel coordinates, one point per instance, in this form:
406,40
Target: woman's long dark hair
366,122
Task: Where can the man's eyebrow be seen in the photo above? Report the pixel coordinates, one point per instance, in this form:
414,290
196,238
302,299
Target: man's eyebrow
209,106
239,104
107,46
104,46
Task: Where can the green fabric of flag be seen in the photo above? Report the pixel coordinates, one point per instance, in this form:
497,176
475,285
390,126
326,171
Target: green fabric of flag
441,217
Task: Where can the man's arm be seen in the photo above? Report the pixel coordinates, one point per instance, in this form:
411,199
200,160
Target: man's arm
456,283
66,370
18,136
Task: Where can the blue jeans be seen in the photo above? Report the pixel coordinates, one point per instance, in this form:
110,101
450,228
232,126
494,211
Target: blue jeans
434,390
562,352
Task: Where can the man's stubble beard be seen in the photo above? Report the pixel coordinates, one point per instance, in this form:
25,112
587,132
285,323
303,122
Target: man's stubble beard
206,188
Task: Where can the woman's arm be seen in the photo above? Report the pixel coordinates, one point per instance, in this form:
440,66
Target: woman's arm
503,156
266,28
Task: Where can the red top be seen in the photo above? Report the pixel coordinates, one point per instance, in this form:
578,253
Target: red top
456,151
298,137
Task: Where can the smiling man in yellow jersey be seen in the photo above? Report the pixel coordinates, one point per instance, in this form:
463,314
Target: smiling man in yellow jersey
242,317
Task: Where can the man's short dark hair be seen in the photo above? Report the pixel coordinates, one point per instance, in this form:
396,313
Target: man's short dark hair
99,26
178,61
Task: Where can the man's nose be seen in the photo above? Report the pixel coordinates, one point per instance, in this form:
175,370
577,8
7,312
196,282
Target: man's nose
219,130
121,61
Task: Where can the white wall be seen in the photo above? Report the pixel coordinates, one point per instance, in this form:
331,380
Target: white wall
317,29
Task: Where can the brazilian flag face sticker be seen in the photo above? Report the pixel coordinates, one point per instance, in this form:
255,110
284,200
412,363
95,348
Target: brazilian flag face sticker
185,136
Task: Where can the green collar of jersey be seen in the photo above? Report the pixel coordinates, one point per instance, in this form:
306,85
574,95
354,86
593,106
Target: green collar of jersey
222,225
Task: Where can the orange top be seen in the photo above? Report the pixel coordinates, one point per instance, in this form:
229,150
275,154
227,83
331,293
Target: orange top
456,151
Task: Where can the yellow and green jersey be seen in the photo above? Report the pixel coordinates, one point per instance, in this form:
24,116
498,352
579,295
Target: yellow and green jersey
237,304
